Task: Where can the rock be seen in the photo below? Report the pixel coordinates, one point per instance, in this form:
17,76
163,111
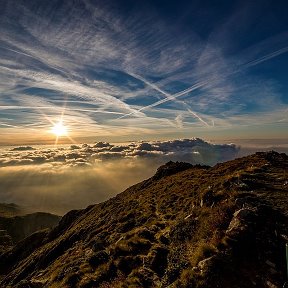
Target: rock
245,202
98,258
201,203
245,214
209,198
158,260
241,185
127,226
241,218
171,168
147,277
127,263
38,283
147,234
271,264
188,216
98,245
234,225
164,239
241,226
273,271
205,264
271,285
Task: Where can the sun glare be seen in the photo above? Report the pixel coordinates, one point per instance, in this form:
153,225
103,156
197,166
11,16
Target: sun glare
59,129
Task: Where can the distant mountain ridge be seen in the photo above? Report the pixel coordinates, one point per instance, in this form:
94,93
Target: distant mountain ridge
10,210
187,226
16,225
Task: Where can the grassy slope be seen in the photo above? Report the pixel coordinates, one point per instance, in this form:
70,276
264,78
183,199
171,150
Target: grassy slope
157,233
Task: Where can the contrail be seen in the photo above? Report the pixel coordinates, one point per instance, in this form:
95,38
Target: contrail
8,125
18,52
36,58
267,57
169,96
152,85
199,118
203,83
14,126
14,107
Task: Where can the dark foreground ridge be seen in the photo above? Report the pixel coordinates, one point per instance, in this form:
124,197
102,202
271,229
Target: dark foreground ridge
188,226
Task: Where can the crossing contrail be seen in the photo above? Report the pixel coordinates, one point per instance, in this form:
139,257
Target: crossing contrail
171,97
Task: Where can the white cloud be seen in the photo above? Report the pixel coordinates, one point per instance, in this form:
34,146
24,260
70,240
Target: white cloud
161,151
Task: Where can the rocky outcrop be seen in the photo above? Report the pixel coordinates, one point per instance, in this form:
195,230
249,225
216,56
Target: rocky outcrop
241,227
171,168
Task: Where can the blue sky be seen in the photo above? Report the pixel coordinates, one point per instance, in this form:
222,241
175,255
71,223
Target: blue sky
130,70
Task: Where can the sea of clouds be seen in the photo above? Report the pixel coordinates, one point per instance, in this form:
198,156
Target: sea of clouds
192,150
58,179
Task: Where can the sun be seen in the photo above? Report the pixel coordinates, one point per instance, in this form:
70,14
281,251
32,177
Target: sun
59,129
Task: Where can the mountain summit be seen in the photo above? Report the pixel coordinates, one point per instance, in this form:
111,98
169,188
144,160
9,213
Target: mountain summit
187,226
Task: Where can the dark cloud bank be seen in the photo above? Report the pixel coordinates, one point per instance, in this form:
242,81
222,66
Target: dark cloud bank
59,179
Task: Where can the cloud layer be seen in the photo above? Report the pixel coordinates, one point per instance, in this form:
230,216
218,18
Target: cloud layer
59,179
193,150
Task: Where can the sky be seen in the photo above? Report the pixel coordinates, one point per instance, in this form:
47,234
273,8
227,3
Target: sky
130,70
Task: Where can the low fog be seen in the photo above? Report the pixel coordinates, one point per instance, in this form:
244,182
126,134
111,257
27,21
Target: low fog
71,177
60,189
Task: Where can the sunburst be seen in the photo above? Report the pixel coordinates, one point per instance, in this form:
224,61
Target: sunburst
59,129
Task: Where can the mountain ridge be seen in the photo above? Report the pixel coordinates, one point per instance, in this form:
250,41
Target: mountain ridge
184,227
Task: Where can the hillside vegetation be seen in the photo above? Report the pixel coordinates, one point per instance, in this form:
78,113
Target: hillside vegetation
187,226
